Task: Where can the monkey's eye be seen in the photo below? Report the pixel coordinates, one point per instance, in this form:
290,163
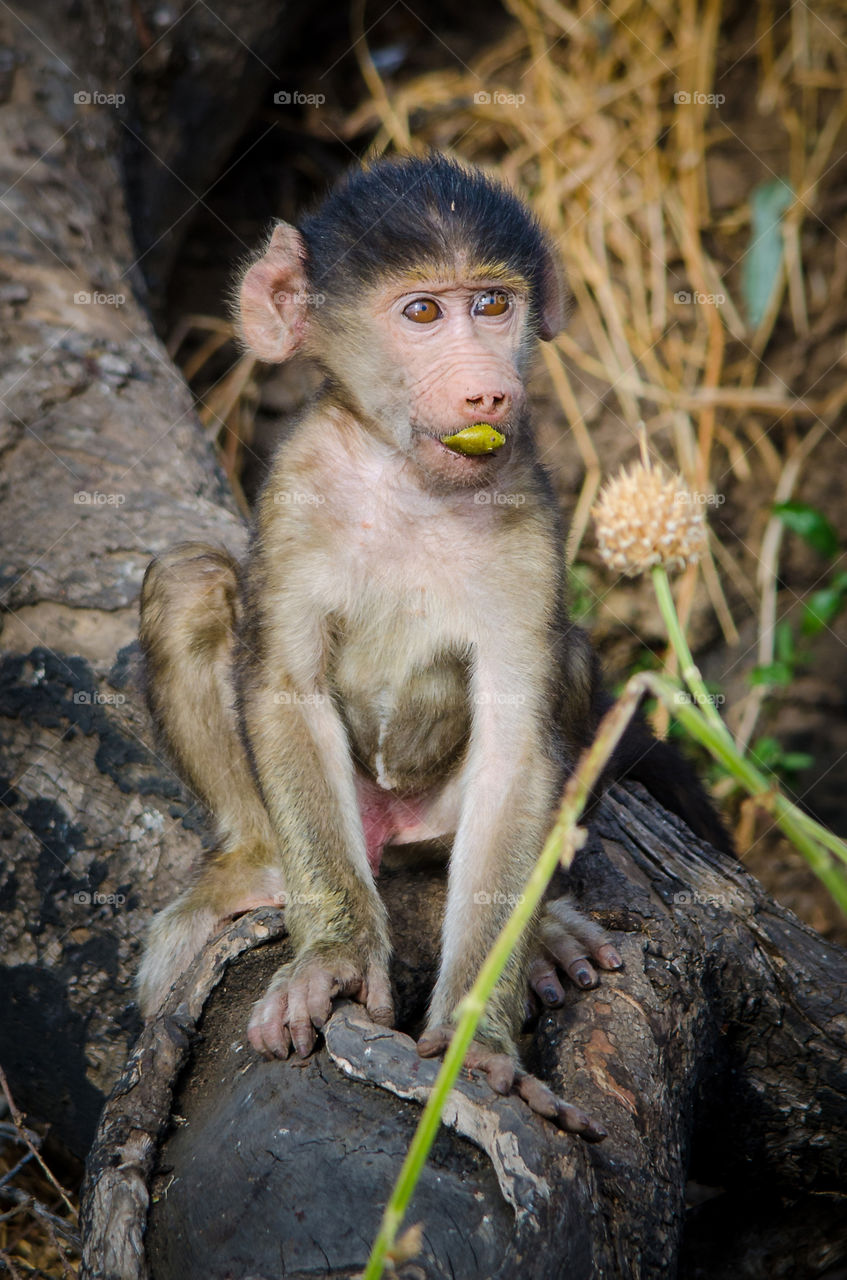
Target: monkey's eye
491,304
422,311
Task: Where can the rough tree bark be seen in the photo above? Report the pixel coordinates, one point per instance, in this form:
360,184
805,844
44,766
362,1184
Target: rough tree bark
103,465
720,1050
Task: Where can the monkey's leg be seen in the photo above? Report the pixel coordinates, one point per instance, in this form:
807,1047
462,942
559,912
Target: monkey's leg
509,788
189,605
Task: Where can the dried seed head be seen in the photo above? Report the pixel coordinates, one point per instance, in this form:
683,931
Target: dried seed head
644,518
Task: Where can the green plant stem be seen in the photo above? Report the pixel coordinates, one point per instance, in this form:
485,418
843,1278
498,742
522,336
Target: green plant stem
560,846
689,670
826,837
814,841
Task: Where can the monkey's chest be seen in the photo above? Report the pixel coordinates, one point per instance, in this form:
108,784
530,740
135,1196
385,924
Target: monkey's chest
406,711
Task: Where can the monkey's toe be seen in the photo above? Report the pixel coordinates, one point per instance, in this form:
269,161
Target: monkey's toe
267,1030
499,1068
504,1075
545,982
378,999
299,1001
567,941
544,1102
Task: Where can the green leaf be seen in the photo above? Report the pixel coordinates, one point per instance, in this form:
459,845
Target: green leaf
583,597
795,761
769,755
811,524
763,262
822,608
766,751
784,643
781,673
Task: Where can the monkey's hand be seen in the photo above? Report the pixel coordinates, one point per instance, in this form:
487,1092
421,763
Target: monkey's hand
565,940
299,999
505,1074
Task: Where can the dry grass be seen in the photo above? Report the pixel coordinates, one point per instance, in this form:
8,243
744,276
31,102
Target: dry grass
38,1217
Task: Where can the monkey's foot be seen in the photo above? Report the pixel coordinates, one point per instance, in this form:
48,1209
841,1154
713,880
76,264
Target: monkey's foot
565,940
298,1002
504,1075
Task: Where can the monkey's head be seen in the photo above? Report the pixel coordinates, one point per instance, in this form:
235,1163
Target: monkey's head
420,286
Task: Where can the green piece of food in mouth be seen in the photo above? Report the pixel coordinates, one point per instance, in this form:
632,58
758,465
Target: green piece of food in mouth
479,438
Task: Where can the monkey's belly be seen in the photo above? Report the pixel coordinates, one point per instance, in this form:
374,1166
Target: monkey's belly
408,734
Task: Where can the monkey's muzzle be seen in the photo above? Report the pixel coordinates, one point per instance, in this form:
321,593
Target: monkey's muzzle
477,439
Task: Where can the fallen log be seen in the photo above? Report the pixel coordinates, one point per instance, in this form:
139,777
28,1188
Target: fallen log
718,1054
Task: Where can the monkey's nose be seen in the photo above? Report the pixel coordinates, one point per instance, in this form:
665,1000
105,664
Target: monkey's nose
490,404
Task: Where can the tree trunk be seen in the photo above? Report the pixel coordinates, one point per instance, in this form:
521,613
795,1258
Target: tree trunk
104,465
718,1052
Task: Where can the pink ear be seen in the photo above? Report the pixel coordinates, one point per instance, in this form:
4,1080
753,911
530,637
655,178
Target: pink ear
272,305
554,302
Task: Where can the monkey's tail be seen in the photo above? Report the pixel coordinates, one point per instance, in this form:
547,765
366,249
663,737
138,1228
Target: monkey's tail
176,935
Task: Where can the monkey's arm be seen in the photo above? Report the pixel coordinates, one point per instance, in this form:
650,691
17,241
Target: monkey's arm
302,761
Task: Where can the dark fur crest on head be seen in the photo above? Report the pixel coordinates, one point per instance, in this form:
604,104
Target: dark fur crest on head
412,212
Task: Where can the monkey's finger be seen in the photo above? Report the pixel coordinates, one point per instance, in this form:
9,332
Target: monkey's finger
544,1102
570,955
531,1005
499,1068
378,1000
543,980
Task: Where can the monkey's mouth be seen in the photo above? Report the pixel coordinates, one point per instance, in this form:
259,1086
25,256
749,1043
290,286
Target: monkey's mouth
478,440
462,448
459,466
